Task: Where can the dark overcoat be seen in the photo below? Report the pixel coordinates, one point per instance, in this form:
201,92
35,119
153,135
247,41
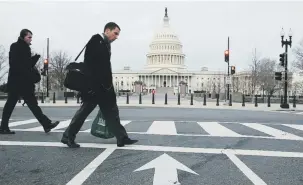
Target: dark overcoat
21,63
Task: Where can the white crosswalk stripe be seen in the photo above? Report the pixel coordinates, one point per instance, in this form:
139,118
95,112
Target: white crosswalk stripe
62,124
182,128
216,129
272,131
299,127
18,123
162,128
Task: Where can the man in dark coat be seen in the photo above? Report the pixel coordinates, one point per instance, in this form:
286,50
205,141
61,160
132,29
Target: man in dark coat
21,83
97,59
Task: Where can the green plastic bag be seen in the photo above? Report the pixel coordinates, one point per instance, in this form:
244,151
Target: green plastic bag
99,127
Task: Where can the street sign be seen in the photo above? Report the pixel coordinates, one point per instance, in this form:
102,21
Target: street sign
165,170
228,80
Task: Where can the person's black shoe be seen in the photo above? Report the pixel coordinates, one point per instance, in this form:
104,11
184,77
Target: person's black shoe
48,128
69,143
6,131
64,140
72,144
126,141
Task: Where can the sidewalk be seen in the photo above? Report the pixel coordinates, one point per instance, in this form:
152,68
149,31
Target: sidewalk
173,104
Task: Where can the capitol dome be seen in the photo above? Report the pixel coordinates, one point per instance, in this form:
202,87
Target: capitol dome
165,50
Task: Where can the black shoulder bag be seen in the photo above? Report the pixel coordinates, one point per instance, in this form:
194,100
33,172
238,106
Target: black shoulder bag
76,77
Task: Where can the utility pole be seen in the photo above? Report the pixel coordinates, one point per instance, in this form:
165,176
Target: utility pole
47,80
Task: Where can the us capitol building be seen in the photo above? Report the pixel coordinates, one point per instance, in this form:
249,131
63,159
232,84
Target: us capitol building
165,67
165,70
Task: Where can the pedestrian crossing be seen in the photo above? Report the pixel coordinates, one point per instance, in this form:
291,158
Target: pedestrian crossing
183,128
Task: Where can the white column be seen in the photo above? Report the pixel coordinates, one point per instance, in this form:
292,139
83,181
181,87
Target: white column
159,81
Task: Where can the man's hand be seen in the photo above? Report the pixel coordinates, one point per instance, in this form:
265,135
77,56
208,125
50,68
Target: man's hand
35,59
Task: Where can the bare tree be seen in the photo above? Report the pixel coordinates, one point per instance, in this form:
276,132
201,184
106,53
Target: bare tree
266,75
254,68
298,63
3,64
58,62
297,87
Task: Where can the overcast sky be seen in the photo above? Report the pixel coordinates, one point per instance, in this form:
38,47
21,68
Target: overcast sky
202,27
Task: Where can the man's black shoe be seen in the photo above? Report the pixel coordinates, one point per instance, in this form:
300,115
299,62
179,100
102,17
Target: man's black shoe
69,143
6,131
126,141
51,126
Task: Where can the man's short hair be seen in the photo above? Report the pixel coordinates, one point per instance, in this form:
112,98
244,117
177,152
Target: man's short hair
111,26
24,32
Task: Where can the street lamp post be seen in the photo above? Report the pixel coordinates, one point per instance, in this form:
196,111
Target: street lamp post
286,43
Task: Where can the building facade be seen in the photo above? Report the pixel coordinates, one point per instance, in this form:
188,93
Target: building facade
165,71
165,67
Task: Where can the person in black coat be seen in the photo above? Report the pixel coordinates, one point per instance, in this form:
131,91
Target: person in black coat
21,83
97,59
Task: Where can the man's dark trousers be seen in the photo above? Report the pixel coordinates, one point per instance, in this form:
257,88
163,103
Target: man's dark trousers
108,106
32,103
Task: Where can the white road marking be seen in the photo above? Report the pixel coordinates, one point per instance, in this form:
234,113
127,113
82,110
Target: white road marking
80,178
162,128
272,131
125,122
264,153
62,124
298,127
185,135
254,178
216,129
18,123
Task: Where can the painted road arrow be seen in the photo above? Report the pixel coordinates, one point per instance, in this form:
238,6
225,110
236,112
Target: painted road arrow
165,170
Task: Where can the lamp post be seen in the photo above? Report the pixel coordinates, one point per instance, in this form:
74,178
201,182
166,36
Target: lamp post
286,43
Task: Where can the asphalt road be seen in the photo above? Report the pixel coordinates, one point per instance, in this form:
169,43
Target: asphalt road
176,146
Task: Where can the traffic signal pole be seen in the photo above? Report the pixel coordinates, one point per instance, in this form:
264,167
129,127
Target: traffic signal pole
286,43
285,104
228,68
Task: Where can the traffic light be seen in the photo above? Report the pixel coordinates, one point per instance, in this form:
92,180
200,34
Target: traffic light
278,76
45,64
282,59
232,70
226,54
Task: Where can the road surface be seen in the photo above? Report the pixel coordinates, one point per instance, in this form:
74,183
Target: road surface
176,146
